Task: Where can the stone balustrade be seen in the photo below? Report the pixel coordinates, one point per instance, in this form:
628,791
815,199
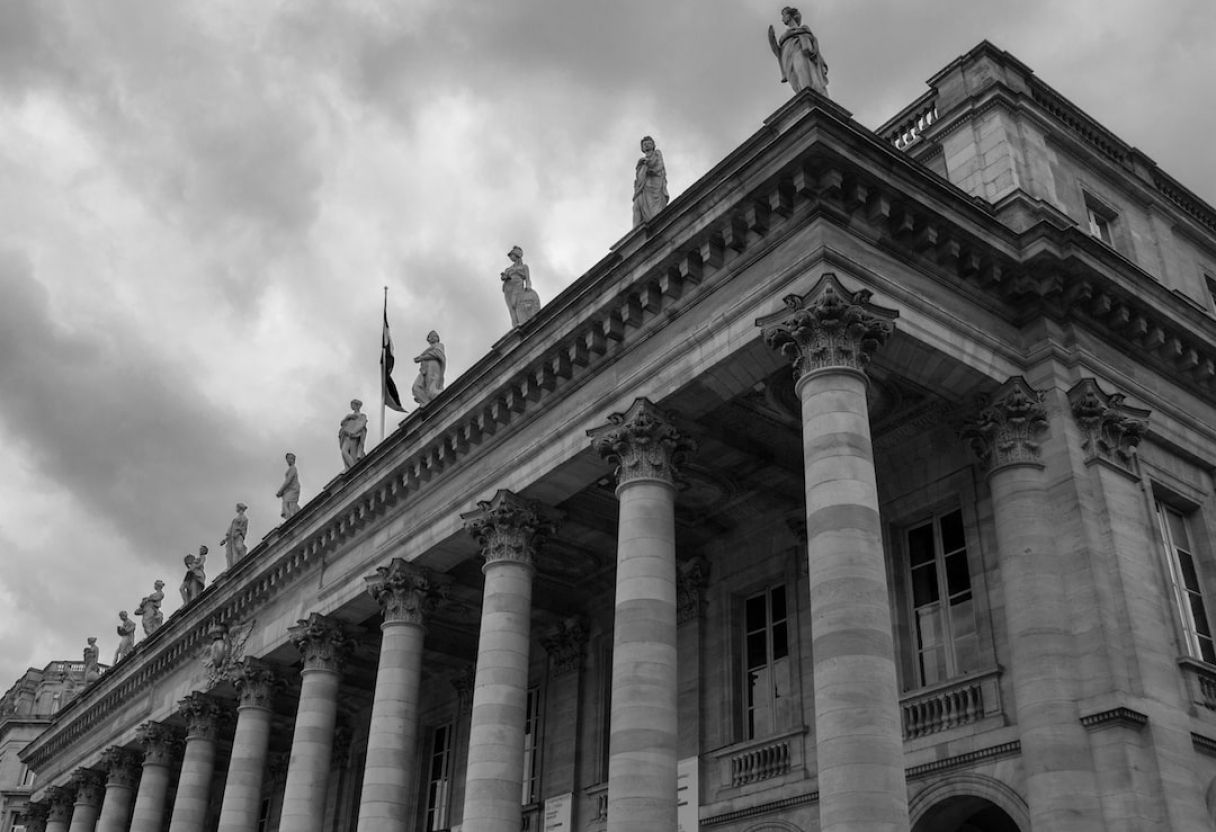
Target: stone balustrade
950,704
1200,682
755,761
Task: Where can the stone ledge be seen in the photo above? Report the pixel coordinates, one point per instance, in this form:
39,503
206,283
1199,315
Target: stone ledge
1005,749
1120,717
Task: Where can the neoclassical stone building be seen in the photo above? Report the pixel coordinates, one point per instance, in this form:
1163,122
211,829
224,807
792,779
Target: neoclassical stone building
865,487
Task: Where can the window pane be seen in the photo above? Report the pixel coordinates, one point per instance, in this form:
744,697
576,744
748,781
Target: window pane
759,696
962,620
952,532
757,650
920,544
966,654
1207,651
1177,528
958,576
924,585
754,614
932,666
1189,578
1199,614
781,647
778,596
928,632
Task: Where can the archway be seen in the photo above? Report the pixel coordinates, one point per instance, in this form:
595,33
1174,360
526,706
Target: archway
966,813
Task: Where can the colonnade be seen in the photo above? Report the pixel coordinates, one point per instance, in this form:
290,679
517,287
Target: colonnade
828,335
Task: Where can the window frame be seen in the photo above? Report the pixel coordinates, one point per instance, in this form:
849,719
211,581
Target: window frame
533,746
1099,217
748,729
1182,595
435,816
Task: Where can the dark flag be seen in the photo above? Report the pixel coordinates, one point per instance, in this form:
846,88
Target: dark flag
389,390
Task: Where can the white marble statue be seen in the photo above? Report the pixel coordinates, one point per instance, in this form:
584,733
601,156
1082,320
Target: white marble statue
649,183
91,654
234,540
126,637
798,55
149,608
522,301
196,576
351,434
289,491
431,364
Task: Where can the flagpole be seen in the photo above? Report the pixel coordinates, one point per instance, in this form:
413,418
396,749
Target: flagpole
382,393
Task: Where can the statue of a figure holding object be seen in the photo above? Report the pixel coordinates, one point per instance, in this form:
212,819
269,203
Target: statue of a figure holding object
797,51
351,434
431,364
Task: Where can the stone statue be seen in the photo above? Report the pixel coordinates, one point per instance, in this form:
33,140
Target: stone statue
798,54
196,577
149,609
126,637
431,364
351,434
522,302
234,540
91,654
649,183
289,491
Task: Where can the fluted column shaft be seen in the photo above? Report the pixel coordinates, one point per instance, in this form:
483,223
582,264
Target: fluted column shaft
324,644
508,529
390,773
250,744
830,334
149,812
123,768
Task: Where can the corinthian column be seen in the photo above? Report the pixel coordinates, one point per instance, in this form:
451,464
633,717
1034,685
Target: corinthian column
324,644
829,336
509,529
255,683
405,595
122,766
36,816
643,735
203,715
159,743
1060,783
61,800
89,786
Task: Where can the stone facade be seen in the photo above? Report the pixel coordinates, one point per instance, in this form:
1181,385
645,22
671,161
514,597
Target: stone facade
867,486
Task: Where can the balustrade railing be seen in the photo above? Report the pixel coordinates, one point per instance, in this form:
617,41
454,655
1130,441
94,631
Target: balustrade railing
756,761
907,128
951,704
1201,682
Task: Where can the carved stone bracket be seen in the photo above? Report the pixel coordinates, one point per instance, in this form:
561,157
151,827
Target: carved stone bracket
61,799
406,592
692,576
566,644
1005,430
122,764
255,682
830,328
463,683
509,528
323,642
203,714
89,786
1111,428
160,743
644,444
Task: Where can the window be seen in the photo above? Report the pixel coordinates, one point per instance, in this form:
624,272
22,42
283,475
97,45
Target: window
27,776
943,608
1099,218
439,778
768,697
531,747
1210,283
1188,592
264,815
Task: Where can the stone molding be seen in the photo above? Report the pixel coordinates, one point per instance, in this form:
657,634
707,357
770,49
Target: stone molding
1121,716
89,786
203,714
566,644
160,743
324,643
1004,432
255,682
692,577
405,591
968,758
62,800
644,444
1112,429
122,764
828,328
509,528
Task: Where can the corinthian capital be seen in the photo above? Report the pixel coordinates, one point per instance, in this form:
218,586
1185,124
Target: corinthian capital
509,528
159,742
90,786
405,592
36,816
1111,428
203,715
643,442
255,682
122,765
323,642
1004,431
830,328
62,799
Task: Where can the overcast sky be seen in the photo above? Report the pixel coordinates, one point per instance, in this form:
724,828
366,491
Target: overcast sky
201,202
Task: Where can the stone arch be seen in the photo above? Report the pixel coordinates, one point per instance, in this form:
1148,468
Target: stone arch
773,826
959,791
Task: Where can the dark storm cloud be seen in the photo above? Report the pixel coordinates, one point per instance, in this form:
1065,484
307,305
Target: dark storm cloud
114,420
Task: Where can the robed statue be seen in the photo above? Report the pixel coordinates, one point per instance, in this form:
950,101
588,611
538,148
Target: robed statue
431,365
797,51
649,183
351,434
522,301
